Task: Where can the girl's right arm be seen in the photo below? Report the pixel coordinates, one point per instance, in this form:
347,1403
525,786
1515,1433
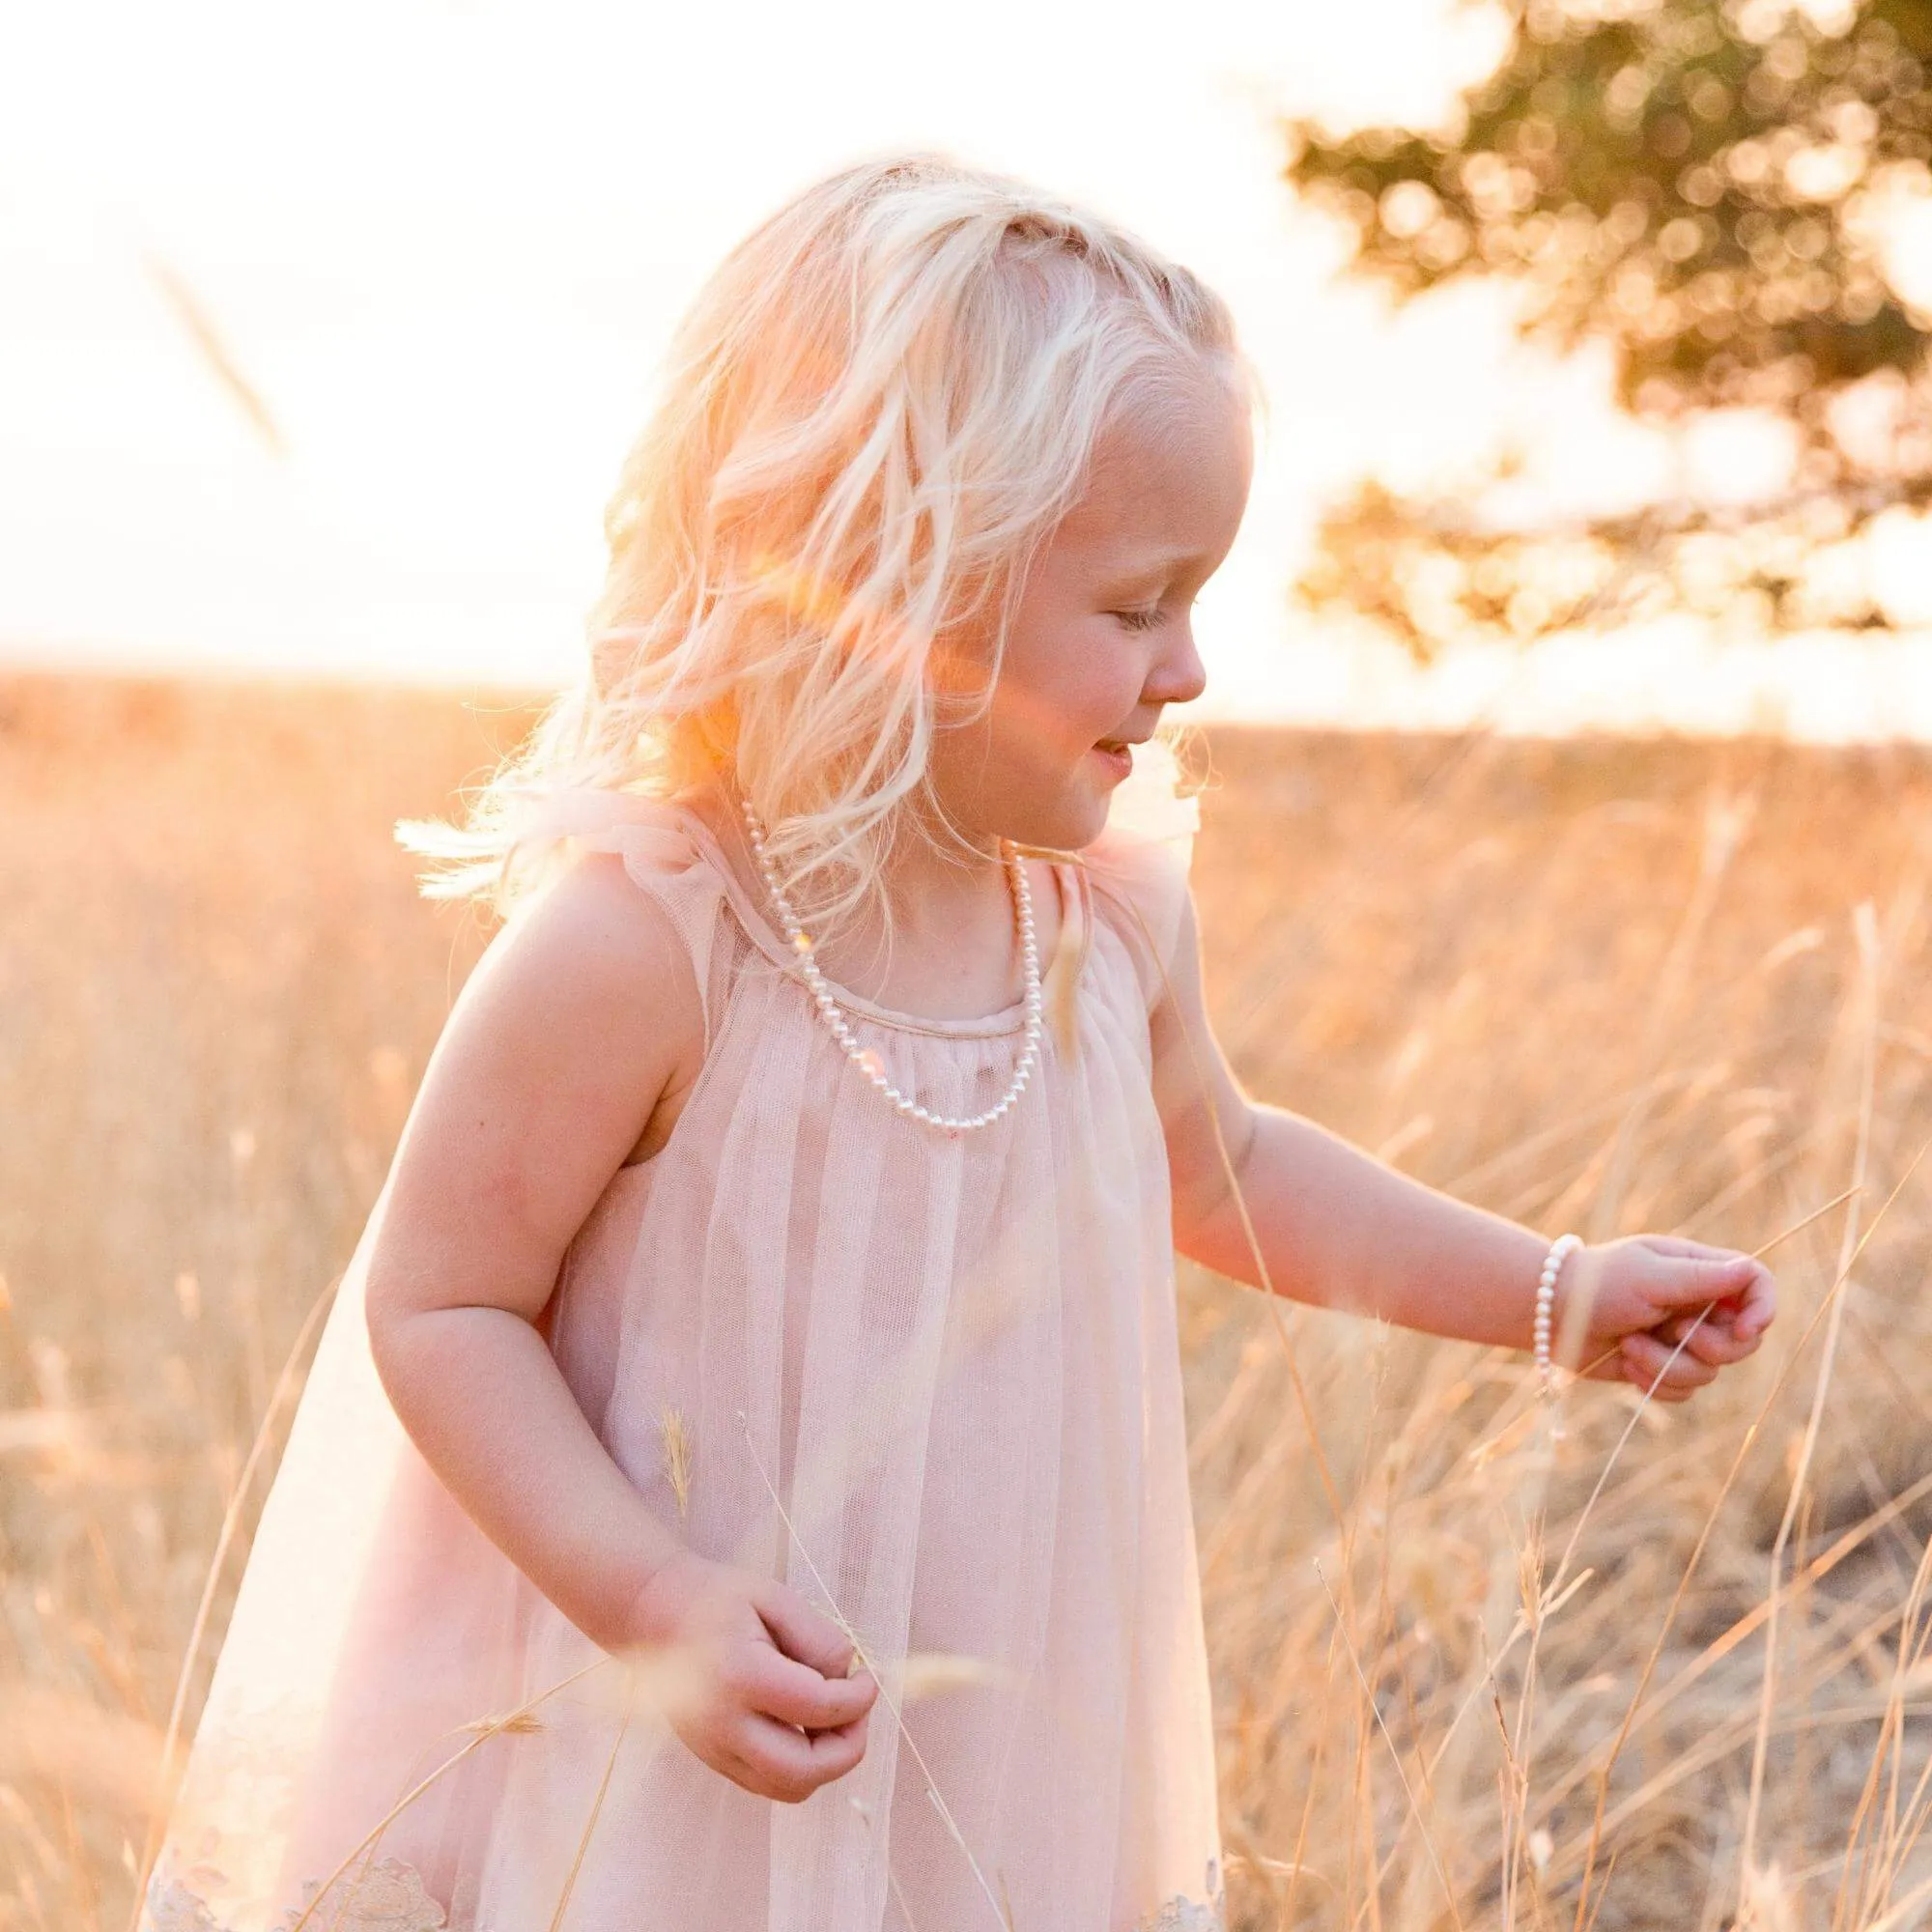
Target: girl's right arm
575,1036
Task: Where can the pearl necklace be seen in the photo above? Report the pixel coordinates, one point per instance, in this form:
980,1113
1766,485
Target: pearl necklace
863,1058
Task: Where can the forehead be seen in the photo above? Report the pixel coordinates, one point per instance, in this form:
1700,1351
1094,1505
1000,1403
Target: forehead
1164,487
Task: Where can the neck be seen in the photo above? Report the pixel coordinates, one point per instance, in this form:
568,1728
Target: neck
935,884
950,925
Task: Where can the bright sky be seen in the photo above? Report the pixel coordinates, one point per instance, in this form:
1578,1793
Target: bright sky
445,241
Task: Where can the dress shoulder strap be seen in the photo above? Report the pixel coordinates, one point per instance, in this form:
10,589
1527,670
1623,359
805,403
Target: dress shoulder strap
664,852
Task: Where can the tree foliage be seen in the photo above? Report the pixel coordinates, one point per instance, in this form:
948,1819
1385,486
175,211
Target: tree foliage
1705,185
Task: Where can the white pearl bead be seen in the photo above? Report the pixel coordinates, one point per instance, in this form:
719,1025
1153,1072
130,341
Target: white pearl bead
868,1063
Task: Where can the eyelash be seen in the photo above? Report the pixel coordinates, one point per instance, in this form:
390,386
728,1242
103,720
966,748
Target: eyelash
1147,620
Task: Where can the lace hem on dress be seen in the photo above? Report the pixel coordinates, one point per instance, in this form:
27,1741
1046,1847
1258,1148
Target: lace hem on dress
388,1897
1192,1914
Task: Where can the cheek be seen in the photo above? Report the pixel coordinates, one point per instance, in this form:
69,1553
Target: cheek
1067,692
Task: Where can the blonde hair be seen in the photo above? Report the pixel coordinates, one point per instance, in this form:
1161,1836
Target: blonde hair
873,414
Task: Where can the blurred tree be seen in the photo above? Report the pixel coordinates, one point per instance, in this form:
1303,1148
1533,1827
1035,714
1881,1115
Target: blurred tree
1708,185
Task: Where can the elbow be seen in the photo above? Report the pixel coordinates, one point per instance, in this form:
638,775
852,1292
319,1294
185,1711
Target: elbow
392,1333
380,1326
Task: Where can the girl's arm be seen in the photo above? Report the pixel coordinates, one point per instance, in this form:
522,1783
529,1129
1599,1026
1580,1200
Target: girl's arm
1339,1227
579,1031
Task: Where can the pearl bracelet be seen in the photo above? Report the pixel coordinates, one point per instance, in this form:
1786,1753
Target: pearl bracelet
1546,1297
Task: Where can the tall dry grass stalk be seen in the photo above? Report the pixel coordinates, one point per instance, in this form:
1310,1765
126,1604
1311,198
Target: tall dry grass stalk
1669,1668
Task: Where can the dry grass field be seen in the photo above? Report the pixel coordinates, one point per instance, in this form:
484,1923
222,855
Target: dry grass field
1668,1671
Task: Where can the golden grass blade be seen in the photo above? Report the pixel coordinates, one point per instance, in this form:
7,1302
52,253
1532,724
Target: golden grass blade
1725,819
194,316
1395,1755
110,1760
1753,1620
886,1697
371,1838
677,1458
596,1803
1866,928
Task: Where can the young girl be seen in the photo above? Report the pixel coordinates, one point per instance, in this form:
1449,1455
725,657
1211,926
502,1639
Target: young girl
742,1482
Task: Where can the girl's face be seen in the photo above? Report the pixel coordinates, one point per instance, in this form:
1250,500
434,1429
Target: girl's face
1102,637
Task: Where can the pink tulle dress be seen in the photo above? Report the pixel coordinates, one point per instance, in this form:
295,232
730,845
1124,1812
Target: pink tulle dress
931,1381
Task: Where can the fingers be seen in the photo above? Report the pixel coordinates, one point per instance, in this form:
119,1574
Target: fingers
1650,1365
795,1694
800,1631
774,1761
1715,1339
1683,1246
1668,1300
804,1681
1720,1273
1735,1295
1759,1303
777,1713
1694,1279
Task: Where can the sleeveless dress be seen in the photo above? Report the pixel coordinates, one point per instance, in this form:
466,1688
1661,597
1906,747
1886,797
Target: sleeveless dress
930,1381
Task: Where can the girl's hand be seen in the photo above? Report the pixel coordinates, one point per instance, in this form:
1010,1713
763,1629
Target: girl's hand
1647,1293
772,1707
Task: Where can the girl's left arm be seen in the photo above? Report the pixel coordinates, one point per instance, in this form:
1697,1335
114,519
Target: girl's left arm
1338,1227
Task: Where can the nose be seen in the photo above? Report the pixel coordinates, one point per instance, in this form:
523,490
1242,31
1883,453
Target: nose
1177,676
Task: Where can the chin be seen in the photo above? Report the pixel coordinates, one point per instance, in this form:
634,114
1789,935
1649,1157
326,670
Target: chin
1068,823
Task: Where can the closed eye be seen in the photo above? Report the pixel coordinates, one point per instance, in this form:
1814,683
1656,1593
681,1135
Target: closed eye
1147,617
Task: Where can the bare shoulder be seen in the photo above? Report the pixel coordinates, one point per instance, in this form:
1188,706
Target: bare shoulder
572,1039
594,949
594,968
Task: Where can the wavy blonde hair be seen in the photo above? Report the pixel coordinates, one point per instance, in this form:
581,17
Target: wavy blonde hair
877,408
